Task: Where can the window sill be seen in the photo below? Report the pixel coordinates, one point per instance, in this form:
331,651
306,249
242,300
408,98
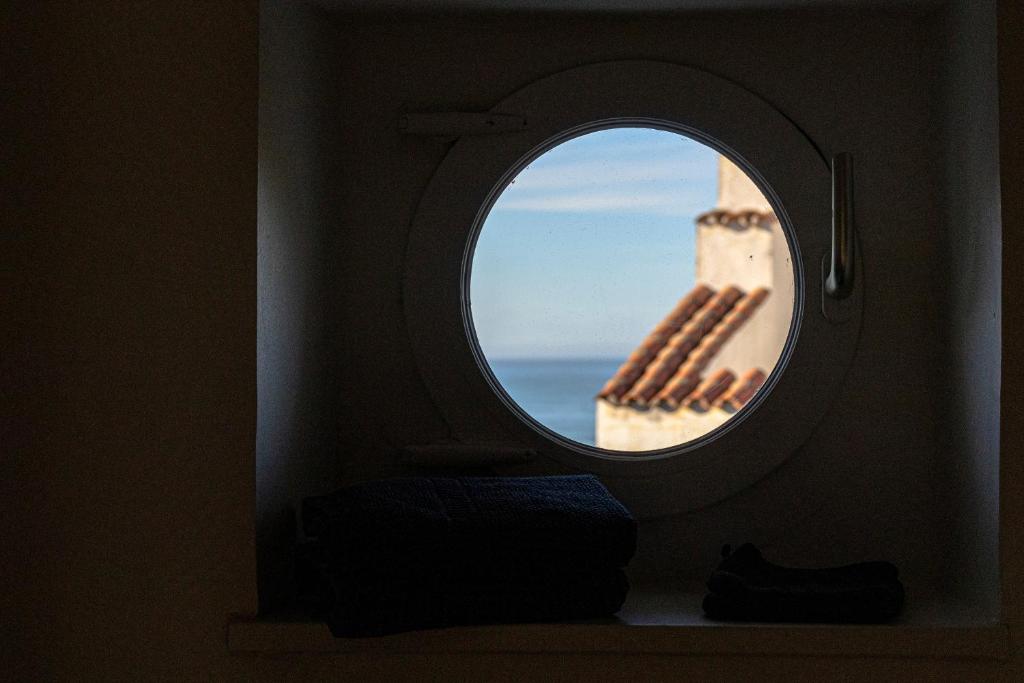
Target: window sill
659,621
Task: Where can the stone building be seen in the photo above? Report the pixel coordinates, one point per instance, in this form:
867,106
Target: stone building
716,347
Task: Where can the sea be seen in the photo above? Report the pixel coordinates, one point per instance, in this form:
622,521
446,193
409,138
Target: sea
558,393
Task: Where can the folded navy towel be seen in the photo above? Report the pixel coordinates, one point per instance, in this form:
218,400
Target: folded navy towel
747,587
377,608
478,526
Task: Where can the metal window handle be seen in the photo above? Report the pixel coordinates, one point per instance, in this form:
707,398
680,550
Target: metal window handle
839,282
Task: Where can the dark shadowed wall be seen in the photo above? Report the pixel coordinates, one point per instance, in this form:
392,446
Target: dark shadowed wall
128,369
129,327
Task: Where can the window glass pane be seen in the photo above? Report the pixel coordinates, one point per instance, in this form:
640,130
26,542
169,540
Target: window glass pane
631,289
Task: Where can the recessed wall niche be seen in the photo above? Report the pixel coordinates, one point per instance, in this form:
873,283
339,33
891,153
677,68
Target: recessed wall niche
911,441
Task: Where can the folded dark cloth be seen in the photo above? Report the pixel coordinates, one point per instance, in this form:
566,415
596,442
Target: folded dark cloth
382,607
747,587
478,526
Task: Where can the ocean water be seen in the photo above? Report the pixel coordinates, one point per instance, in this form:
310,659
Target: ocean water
558,393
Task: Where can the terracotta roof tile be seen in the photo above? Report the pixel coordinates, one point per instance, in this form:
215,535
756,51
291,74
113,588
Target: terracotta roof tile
710,389
679,347
713,341
679,387
634,366
667,368
742,390
674,391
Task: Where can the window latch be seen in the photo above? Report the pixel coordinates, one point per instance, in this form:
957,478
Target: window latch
458,123
839,281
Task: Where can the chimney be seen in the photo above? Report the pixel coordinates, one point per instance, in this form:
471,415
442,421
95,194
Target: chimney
740,243
736,192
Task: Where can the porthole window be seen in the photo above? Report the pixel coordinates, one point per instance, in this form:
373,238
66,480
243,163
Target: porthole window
631,290
569,229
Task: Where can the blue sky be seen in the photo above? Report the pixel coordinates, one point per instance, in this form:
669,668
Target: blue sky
591,245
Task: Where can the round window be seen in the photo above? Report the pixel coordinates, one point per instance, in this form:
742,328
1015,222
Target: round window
631,289
618,283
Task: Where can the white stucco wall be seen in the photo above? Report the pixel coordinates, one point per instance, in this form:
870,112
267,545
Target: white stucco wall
623,428
730,256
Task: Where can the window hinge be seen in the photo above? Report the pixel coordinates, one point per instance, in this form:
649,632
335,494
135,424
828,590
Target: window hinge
457,123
